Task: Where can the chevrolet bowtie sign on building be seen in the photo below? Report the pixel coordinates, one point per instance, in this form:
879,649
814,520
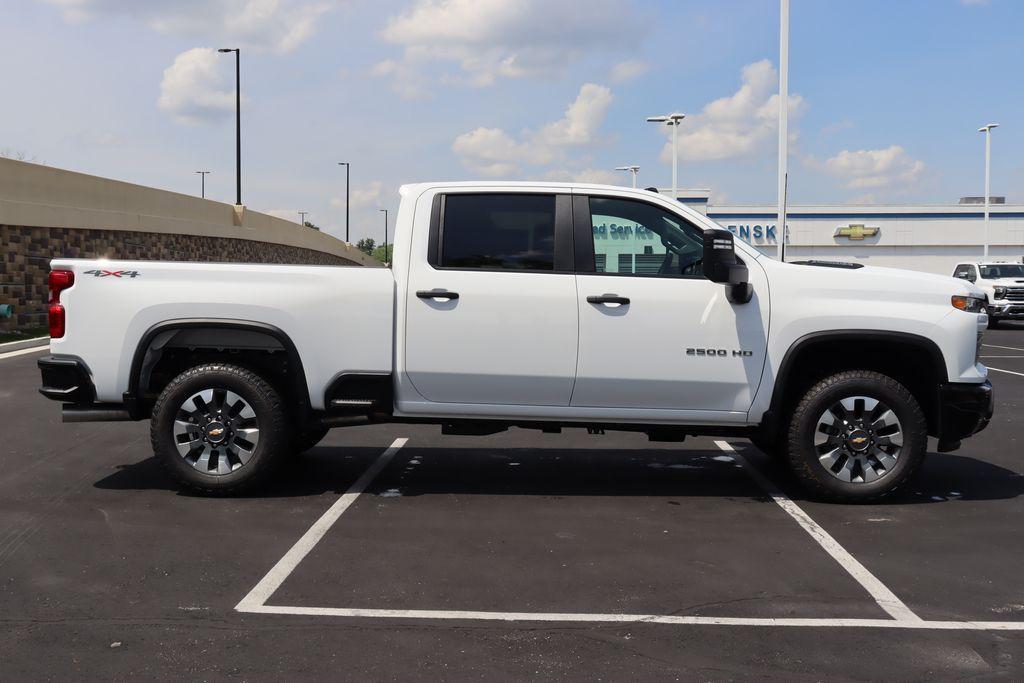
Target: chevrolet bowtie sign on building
857,232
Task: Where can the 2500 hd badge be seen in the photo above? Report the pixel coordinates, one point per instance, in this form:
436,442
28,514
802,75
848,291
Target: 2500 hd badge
718,353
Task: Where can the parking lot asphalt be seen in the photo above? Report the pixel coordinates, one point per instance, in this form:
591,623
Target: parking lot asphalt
108,571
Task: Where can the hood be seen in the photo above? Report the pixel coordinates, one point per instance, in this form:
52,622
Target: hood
875,282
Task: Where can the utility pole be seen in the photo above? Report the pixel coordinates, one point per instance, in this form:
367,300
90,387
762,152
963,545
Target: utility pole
672,120
632,169
302,218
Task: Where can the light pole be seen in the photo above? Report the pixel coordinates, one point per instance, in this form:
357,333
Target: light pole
302,218
347,168
783,126
385,235
632,169
673,120
987,130
238,121
202,174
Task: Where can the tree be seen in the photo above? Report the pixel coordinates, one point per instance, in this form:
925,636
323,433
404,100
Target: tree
309,224
382,256
366,245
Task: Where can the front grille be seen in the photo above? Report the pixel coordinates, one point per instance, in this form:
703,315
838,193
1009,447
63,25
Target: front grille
1015,294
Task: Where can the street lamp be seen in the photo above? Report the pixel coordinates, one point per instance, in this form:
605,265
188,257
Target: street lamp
385,235
987,130
671,120
202,174
238,121
632,169
302,218
783,173
347,169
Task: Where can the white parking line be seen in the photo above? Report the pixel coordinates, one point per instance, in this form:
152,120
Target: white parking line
885,598
262,591
586,617
22,352
1008,372
1001,356
1010,348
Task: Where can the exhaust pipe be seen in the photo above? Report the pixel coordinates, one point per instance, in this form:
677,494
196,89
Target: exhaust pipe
115,412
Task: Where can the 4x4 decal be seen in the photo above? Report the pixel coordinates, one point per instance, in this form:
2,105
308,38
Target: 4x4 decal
113,273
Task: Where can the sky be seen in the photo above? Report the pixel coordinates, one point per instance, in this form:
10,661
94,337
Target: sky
885,97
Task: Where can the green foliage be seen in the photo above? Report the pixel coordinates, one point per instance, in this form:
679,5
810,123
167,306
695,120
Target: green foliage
366,245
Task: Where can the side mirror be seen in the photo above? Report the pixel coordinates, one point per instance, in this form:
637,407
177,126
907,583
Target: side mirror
721,265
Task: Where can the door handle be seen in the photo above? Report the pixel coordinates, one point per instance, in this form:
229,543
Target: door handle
437,294
607,299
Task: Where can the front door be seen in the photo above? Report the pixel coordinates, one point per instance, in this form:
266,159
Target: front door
491,308
654,333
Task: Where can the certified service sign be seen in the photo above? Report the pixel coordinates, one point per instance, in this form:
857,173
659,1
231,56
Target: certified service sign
857,232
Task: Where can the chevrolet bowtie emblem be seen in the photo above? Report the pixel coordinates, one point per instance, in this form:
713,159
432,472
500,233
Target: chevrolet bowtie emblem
856,232
217,432
859,439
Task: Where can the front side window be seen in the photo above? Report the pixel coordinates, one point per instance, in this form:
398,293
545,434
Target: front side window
636,238
962,271
499,232
994,272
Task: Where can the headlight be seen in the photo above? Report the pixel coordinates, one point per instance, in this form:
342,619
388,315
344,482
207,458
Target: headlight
970,304
1000,293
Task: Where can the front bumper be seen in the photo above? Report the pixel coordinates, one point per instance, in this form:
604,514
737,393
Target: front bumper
1013,310
964,409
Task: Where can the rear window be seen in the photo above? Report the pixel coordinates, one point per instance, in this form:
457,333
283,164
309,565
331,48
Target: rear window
499,232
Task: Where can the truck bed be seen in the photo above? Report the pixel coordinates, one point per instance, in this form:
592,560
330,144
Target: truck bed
339,318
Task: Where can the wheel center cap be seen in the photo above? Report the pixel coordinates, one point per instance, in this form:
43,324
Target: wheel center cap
859,440
216,432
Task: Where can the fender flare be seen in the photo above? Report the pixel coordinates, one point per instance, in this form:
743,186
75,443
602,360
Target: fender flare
132,398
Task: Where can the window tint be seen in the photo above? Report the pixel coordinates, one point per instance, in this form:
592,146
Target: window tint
499,232
636,238
961,271
1002,270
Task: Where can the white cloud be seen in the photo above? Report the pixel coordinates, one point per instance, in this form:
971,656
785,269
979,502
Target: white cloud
491,39
361,197
891,169
271,25
196,88
493,152
601,176
628,70
742,124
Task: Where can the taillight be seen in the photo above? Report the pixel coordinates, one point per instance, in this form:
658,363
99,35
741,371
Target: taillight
59,281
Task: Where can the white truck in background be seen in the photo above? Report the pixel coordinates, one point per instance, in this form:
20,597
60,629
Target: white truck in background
1002,284
545,306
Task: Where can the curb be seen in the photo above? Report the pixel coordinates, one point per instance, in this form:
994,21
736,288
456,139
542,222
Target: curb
24,344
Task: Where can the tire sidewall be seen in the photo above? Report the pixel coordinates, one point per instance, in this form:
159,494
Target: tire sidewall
801,436
263,401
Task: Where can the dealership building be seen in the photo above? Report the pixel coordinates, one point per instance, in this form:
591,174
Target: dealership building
931,238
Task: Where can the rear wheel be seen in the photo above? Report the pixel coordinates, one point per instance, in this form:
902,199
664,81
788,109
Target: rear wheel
218,428
856,436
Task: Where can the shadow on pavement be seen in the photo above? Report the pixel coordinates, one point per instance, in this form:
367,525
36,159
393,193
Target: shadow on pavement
576,472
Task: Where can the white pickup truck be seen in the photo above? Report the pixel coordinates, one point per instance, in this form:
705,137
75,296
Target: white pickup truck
1002,284
544,306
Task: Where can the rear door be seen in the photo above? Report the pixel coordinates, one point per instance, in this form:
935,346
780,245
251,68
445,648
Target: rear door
491,315
654,333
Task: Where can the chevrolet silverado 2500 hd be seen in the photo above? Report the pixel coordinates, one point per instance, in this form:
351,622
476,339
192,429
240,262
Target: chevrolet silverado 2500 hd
531,305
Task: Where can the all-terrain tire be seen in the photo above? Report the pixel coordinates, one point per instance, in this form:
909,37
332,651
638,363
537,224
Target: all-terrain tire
269,420
803,455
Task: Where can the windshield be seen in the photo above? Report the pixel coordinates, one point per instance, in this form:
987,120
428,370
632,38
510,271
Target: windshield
1002,270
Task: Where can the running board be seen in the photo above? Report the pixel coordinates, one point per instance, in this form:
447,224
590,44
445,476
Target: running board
113,412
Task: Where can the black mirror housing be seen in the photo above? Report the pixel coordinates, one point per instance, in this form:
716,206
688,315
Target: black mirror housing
721,265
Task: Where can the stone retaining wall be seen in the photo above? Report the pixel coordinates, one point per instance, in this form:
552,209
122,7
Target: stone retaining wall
27,251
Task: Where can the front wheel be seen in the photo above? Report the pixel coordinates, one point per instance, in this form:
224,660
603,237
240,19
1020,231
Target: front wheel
856,436
218,429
